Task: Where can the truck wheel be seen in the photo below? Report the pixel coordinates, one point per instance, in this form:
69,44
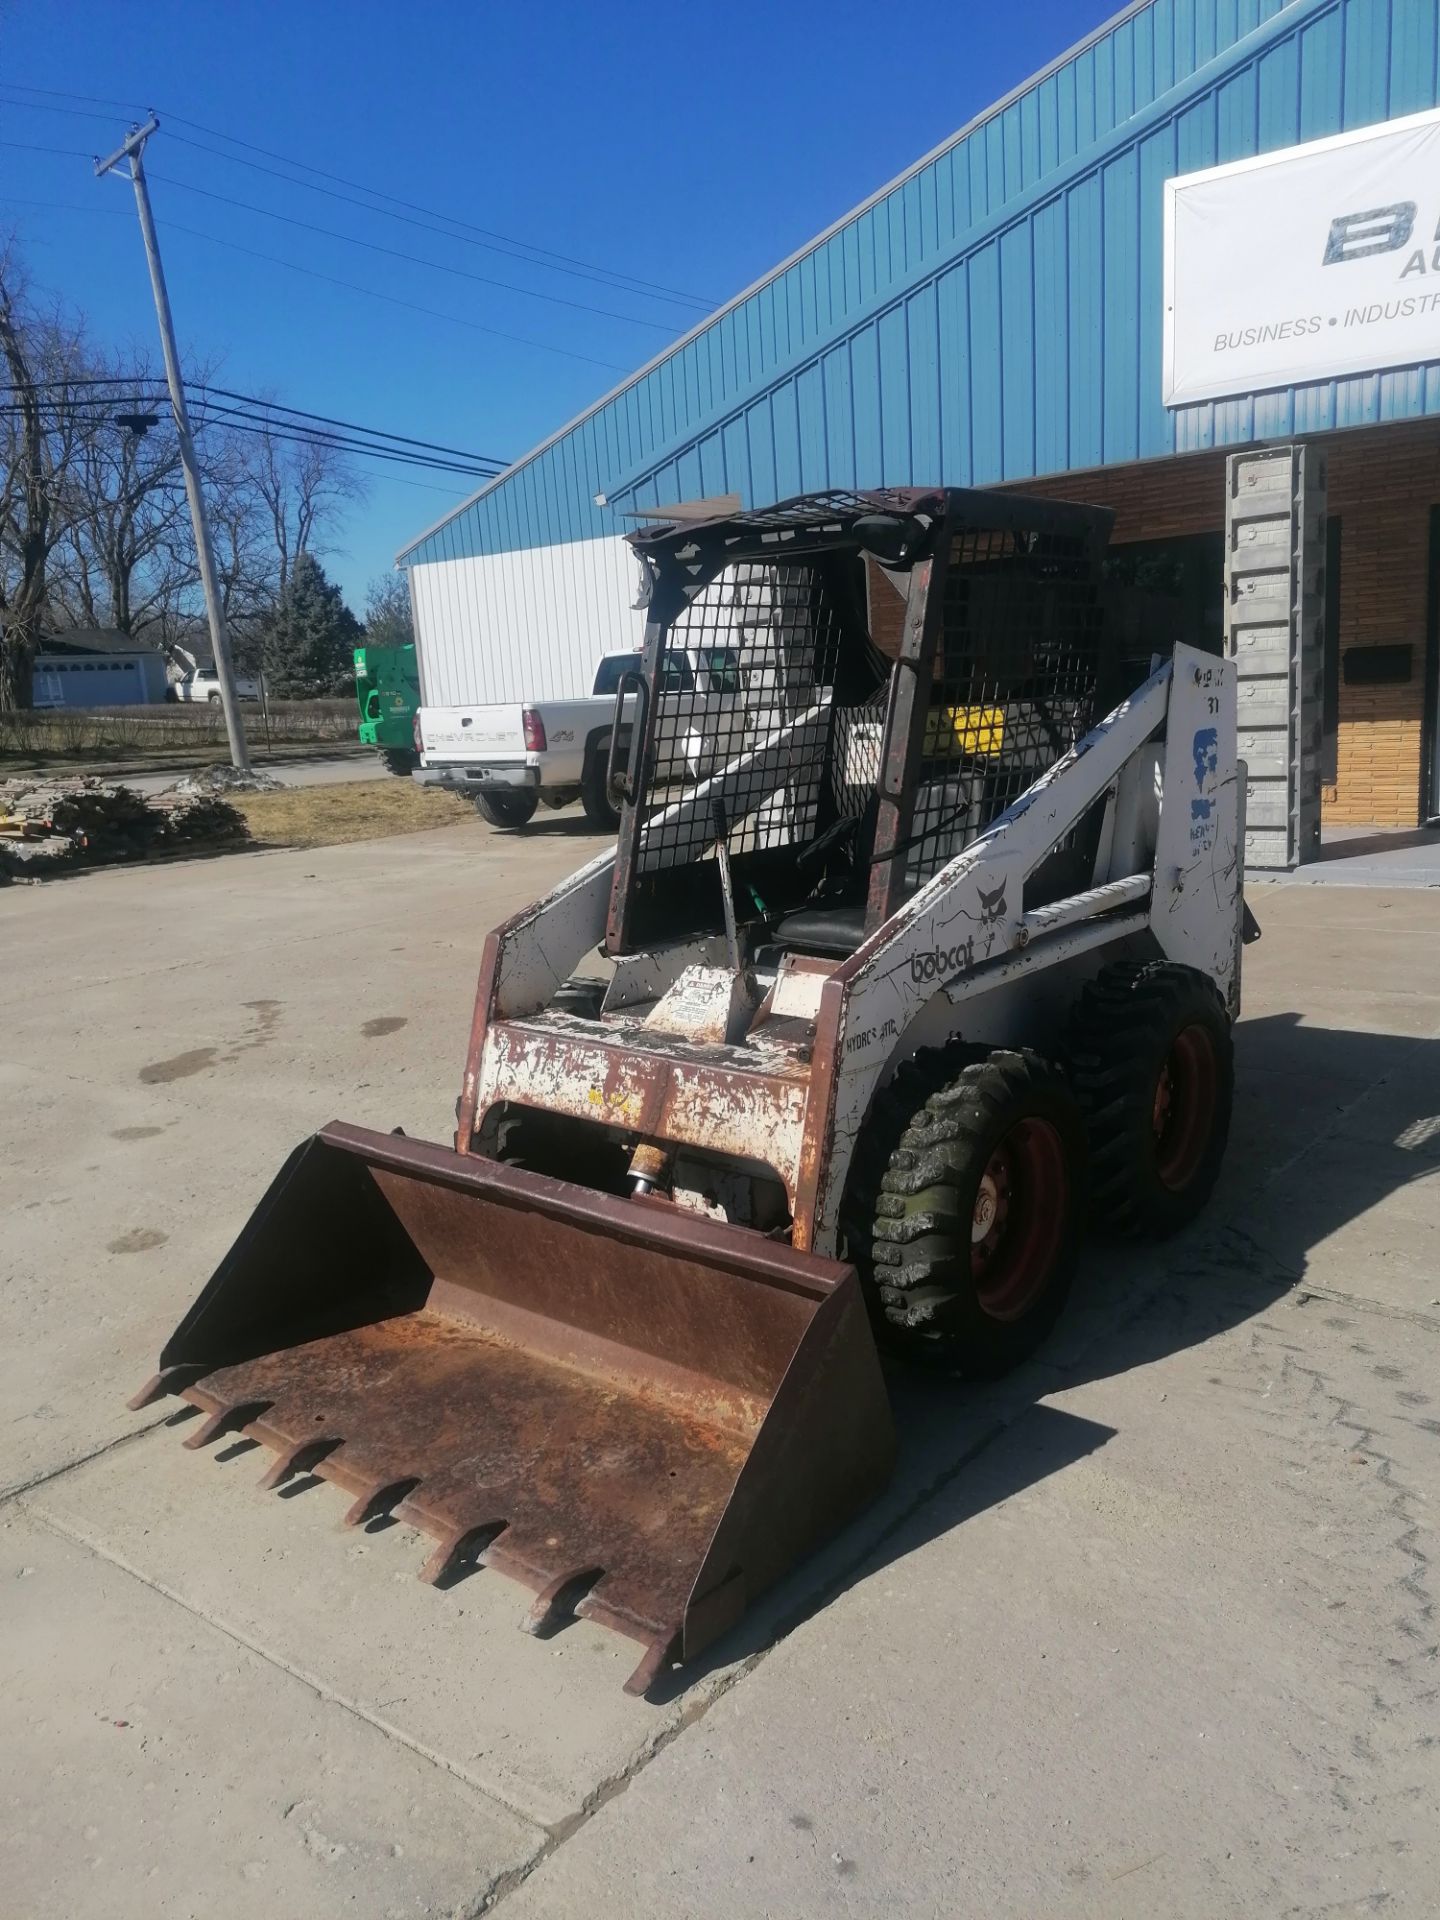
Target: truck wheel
1152,1060
595,797
967,1206
509,810
213,699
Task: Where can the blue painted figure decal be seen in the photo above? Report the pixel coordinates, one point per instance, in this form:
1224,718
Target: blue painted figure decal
1207,757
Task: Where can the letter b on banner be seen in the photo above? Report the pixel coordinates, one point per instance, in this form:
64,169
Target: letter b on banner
1380,230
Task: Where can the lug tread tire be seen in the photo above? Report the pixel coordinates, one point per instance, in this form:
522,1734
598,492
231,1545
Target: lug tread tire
1119,1039
907,1217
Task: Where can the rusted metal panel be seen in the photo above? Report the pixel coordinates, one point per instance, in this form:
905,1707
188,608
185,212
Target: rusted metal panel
640,1082
642,1416
905,731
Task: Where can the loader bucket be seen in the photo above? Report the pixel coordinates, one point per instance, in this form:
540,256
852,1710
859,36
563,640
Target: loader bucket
643,1416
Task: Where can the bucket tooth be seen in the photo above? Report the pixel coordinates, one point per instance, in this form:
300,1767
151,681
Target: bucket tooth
225,1419
298,1459
168,1380
659,1655
555,1604
461,1547
643,1420
382,1496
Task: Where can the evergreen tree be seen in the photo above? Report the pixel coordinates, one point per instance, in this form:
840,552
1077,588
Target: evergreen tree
311,636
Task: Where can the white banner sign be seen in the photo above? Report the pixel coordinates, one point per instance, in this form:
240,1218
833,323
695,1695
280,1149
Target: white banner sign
1319,260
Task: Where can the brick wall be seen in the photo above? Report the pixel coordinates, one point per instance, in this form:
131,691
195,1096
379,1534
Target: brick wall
1383,482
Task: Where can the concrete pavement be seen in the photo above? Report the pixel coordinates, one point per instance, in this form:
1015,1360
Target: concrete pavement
1146,1628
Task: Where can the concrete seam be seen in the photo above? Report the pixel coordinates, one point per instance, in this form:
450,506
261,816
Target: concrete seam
331,1695
81,1460
1343,1113
806,1606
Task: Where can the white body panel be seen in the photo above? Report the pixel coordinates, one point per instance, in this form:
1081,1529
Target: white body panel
523,626
963,955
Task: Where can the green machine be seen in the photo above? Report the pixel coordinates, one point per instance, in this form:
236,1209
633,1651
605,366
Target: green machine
387,688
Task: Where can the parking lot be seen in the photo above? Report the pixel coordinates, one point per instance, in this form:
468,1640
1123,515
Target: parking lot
1147,1628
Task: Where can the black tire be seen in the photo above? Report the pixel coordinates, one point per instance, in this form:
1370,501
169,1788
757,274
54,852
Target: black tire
400,760
596,798
509,811
580,995
213,699
564,1149
1152,1061
957,1136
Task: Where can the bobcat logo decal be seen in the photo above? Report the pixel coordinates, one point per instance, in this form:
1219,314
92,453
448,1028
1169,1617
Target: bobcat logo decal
992,905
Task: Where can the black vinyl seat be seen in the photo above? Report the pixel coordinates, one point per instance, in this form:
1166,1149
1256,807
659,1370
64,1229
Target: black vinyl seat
833,930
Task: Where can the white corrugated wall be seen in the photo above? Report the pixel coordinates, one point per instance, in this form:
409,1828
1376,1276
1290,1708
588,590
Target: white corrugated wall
528,625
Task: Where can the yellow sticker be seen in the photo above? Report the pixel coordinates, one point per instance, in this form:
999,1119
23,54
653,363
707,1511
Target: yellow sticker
975,730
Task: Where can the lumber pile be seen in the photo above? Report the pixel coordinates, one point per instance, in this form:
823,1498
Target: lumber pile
47,825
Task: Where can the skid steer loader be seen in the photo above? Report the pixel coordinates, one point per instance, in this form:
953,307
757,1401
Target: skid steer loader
939,963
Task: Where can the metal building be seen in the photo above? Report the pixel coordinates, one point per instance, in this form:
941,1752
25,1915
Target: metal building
1000,315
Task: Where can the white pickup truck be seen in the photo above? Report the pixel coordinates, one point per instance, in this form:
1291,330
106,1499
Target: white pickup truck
512,758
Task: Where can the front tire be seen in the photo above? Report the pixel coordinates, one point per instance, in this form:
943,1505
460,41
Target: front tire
508,811
1153,1064
967,1206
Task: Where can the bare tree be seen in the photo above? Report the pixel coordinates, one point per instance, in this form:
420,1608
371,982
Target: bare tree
128,554
43,419
300,488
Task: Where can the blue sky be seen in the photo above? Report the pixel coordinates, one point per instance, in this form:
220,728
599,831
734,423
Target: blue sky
692,147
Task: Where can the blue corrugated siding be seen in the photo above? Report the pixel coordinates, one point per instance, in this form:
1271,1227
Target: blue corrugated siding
997,315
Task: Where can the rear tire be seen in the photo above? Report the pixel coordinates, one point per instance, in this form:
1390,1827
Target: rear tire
1153,1063
596,798
508,811
966,1207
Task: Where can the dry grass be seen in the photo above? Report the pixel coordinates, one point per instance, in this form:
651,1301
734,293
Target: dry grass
350,810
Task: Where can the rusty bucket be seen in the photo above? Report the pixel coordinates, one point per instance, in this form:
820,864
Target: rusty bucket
643,1416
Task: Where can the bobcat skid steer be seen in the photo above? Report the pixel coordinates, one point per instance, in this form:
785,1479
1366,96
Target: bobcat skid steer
940,963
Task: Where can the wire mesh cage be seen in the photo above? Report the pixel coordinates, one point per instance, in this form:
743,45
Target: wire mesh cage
1017,680
777,673
746,692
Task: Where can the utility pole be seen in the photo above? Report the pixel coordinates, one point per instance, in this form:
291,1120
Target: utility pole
132,150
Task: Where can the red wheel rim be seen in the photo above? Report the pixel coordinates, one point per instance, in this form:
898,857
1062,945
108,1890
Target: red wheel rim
1018,1222
1183,1114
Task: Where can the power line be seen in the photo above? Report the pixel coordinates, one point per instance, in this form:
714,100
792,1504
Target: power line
330,279
502,241
411,259
244,421
621,283
257,414
279,406
132,381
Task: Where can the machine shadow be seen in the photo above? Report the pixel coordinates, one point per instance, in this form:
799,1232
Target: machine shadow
965,1447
